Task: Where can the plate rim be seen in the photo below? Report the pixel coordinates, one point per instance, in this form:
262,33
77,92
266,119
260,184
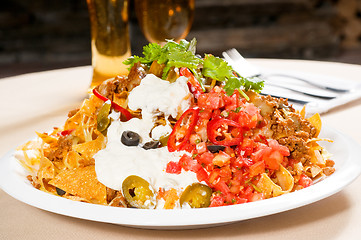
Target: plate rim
184,218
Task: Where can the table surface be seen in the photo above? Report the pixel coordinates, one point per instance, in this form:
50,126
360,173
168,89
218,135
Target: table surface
40,101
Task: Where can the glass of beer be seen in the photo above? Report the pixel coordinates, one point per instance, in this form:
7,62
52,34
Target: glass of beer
161,20
110,43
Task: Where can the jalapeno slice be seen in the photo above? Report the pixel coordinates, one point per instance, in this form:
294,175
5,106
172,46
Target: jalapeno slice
138,192
196,195
103,120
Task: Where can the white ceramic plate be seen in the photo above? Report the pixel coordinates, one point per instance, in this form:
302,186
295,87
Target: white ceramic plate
348,167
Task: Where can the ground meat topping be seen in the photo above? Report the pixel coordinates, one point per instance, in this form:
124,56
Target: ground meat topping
63,146
288,127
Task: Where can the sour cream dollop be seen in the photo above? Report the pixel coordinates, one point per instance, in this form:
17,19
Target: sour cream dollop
116,162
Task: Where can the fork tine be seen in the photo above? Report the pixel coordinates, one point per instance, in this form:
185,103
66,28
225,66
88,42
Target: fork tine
238,59
234,54
241,65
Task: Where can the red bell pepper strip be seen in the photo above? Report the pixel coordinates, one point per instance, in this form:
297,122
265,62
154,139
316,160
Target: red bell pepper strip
173,144
65,133
213,133
193,85
118,108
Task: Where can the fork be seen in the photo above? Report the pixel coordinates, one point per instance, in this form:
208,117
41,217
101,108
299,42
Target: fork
246,69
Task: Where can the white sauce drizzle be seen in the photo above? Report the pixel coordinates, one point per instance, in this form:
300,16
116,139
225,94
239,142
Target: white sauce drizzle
113,164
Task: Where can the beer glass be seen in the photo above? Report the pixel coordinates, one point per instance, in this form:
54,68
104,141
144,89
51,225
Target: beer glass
160,20
110,43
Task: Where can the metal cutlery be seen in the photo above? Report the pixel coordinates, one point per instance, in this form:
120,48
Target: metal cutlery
312,88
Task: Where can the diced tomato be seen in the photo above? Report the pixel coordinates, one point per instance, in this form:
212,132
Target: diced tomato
214,176
240,162
217,201
225,173
238,176
194,139
248,191
211,100
257,196
222,187
201,147
273,160
277,147
262,151
173,167
235,187
305,181
240,200
232,102
205,114
189,164
249,116
273,155
205,158
246,146
229,151
202,175
221,159
257,168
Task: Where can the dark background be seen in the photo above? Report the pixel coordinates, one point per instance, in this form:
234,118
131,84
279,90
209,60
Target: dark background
39,35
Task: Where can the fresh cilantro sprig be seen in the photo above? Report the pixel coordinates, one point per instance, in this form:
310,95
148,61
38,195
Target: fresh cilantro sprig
172,54
182,54
218,69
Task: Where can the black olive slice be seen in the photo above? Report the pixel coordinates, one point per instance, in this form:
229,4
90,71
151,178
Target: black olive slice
130,138
60,192
151,145
215,148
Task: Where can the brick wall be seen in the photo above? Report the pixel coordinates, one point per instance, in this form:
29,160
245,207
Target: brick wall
56,33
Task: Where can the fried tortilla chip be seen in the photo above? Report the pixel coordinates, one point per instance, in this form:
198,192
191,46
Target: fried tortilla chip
271,189
81,182
88,149
45,173
315,120
72,160
285,179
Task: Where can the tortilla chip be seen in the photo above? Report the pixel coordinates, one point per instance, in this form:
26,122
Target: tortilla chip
88,149
84,121
285,179
72,160
271,189
315,120
45,173
81,182
303,111
268,187
47,138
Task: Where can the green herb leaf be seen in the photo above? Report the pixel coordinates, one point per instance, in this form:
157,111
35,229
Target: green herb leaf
182,54
216,68
171,55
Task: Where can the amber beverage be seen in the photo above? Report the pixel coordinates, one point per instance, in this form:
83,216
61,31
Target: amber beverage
110,43
164,19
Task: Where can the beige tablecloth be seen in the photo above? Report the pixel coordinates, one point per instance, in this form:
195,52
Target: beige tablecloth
38,102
